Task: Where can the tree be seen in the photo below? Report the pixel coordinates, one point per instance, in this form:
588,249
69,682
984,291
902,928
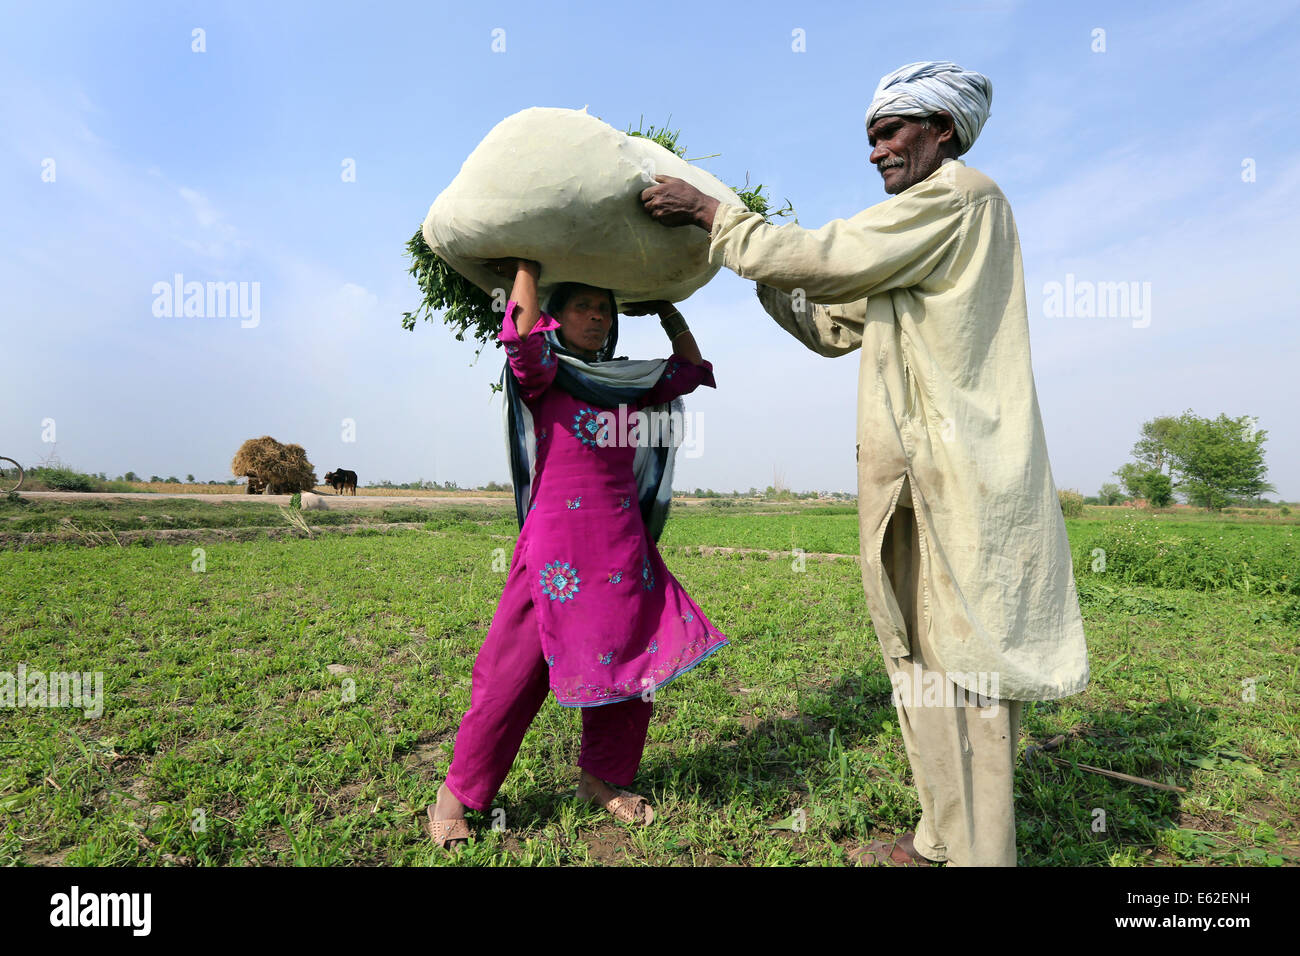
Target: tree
1110,494
131,476
1208,460
1217,459
1133,477
1159,489
1152,449
1153,454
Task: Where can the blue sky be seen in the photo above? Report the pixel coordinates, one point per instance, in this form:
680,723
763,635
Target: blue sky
1121,166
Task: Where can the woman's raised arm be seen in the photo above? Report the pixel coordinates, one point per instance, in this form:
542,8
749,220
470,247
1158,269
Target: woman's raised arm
528,308
686,369
532,361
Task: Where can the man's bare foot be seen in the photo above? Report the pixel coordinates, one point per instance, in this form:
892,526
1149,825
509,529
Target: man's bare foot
627,807
447,824
899,852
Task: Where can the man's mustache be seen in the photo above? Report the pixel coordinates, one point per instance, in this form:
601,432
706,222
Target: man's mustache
889,163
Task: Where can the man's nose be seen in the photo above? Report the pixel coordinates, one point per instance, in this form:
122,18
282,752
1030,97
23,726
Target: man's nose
877,154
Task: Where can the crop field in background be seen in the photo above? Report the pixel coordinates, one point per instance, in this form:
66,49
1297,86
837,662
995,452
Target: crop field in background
275,695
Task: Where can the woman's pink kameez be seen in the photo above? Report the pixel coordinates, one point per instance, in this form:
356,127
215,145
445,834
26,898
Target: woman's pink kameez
589,604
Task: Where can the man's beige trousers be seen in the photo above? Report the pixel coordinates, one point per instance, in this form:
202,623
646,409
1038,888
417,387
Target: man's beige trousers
963,756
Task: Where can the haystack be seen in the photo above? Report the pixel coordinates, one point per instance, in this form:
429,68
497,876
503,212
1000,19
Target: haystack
273,468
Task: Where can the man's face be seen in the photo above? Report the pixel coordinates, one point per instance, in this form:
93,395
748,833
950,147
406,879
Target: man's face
906,149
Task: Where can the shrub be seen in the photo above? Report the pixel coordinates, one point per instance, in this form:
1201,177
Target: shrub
1071,503
64,479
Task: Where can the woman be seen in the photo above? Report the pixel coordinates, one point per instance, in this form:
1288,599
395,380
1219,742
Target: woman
589,610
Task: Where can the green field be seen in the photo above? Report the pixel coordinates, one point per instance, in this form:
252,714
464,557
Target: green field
296,700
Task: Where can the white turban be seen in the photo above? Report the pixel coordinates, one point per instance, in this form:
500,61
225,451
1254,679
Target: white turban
923,89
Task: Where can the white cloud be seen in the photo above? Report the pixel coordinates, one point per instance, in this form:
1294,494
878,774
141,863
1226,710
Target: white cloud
356,302
199,203
218,239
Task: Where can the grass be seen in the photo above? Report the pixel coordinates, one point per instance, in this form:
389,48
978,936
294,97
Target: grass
295,701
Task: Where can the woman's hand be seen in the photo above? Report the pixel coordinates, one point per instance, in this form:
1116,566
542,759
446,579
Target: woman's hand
657,306
510,266
684,345
506,268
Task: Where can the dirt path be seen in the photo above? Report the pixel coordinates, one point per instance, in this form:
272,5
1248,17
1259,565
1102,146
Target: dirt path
718,549
332,502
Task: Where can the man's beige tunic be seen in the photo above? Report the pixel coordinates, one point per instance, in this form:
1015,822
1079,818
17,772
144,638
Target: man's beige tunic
929,285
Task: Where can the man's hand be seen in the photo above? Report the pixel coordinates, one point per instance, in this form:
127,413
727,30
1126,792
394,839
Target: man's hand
675,202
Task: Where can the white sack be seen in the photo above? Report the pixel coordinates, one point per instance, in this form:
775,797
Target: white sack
563,188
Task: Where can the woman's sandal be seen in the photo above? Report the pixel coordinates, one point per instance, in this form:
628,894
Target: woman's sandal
625,807
445,832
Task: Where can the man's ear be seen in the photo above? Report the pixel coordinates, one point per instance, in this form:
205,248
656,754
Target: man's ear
945,129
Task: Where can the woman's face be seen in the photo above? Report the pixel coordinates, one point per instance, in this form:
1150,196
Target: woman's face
585,320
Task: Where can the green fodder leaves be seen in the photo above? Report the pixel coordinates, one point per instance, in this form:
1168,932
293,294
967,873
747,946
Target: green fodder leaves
464,306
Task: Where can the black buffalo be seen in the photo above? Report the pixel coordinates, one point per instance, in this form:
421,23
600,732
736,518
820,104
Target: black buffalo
342,479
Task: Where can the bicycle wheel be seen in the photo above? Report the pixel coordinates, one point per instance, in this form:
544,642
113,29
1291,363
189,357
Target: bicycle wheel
11,475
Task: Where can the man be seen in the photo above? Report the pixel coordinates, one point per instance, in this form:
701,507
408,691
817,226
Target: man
965,561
